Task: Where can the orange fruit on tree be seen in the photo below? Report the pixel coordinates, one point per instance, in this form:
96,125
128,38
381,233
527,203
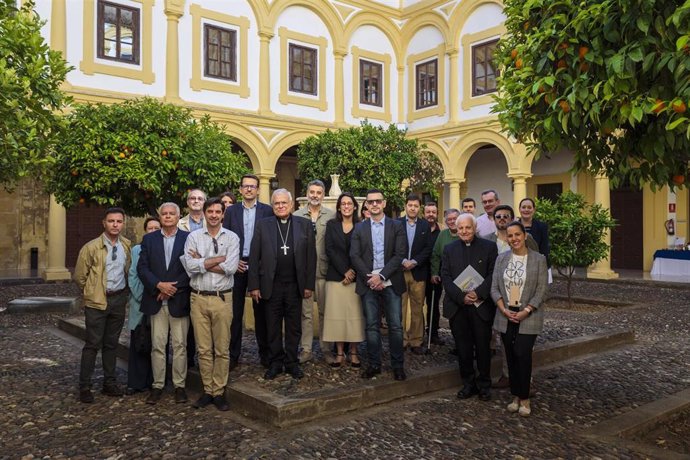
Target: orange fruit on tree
584,66
518,63
75,172
561,64
658,106
82,200
582,52
565,107
164,153
679,106
123,155
678,179
514,53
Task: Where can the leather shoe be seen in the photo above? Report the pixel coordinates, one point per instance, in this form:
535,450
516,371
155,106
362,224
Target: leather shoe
467,392
296,372
304,356
485,395
233,364
113,389
180,395
203,401
371,372
154,396
503,382
399,374
221,403
85,396
273,372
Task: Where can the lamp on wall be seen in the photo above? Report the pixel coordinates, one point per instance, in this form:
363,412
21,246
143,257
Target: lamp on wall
274,183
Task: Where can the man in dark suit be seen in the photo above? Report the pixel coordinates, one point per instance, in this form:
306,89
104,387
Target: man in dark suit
470,311
166,300
378,248
282,272
241,219
415,268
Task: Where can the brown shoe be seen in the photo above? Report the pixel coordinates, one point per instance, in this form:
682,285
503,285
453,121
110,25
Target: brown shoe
180,395
154,396
85,396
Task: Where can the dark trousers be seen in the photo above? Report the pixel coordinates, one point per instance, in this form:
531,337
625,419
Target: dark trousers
518,348
238,295
391,304
472,339
139,373
283,308
432,321
103,328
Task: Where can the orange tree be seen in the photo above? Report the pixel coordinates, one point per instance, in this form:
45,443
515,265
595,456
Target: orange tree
605,79
138,154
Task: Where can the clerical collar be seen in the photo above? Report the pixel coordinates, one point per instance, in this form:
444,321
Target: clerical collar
283,221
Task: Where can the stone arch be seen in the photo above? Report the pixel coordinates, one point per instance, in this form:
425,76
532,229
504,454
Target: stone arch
261,12
323,10
284,143
468,145
251,144
436,147
461,14
382,23
432,19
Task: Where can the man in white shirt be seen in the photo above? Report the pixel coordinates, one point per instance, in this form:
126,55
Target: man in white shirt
485,222
210,258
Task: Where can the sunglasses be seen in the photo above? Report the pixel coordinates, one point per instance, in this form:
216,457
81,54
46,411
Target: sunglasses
502,216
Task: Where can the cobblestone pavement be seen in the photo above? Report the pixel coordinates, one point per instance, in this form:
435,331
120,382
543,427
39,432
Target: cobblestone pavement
42,418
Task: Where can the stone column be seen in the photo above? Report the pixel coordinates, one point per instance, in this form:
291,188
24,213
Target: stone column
57,229
174,9
519,190
602,196
401,94
463,189
339,90
264,73
454,193
265,187
453,86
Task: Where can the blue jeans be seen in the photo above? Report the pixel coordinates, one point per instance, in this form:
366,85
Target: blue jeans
392,308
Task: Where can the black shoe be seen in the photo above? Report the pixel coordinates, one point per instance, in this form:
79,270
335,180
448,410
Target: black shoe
221,403
203,401
467,392
399,374
154,396
180,395
371,372
420,350
233,364
296,372
86,396
265,362
112,389
273,372
485,394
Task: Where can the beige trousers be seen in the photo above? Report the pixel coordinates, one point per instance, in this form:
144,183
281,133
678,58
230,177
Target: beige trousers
414,335
211,318
307,320
161,323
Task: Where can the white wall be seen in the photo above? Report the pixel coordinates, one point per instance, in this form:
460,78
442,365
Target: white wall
486,169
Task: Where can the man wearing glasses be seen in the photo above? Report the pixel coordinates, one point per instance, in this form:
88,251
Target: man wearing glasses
485,222
195,219
211,257
378,248
241,219
101,273
166,300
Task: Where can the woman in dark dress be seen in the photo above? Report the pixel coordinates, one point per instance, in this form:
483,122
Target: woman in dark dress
538,229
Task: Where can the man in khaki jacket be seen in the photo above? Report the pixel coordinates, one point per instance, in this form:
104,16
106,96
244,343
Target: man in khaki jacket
319,215
101,274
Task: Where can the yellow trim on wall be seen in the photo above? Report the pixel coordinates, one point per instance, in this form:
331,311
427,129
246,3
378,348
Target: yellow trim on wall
241,24
142,72
412,61
532,182
286,97
469,40
368,111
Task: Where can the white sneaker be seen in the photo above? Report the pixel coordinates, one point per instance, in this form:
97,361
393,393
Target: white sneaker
525,410
514,406
304,356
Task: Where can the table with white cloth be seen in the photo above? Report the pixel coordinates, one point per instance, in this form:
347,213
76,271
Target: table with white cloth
672,263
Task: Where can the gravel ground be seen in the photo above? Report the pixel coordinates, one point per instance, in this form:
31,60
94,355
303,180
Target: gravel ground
41,416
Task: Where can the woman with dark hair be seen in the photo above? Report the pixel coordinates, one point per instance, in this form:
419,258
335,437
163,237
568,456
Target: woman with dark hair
365,212
139,374
518,288
538,229
343,317
228,199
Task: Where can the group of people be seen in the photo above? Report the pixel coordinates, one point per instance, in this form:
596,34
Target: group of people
187,281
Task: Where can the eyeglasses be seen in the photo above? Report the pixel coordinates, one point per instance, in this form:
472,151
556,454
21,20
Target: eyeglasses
375,202
249,186
196,198
502,216
215,245
114,256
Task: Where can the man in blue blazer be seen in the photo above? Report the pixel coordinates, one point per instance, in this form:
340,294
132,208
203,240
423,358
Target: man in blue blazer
415,268
470,311
241,218
378,247
166,300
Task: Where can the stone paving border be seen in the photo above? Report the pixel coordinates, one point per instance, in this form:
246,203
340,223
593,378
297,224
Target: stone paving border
43,305
618,430
281,411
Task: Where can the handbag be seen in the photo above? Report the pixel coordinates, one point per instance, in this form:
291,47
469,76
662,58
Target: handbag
141,336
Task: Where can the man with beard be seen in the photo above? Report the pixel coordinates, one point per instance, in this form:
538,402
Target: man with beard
319,216
471,311
432,292
282,269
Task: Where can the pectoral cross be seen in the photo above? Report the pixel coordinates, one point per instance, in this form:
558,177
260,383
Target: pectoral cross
285,247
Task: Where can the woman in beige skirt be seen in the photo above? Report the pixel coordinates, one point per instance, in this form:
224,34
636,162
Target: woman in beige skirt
343,319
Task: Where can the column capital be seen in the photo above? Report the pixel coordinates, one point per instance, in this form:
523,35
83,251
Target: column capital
174,9
452,52
455,181
266,35
519,177
340,53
